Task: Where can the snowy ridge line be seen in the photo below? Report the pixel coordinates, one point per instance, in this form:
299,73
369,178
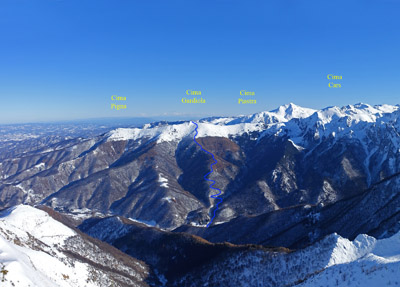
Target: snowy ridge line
205,176
295,121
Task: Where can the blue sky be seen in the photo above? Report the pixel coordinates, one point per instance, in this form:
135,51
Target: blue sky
64,59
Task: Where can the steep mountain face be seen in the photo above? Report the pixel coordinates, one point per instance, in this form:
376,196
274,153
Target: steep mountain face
37,250
184,260
374,211
271,167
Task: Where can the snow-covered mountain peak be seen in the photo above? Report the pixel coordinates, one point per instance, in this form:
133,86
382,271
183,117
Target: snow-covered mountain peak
344,250
290,111
326,115
366,113
365,261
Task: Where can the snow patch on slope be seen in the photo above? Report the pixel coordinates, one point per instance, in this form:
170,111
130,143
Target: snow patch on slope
163,181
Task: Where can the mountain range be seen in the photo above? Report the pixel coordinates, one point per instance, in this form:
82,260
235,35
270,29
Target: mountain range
296,183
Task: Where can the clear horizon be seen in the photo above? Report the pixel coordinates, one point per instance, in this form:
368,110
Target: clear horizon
160,117
63,60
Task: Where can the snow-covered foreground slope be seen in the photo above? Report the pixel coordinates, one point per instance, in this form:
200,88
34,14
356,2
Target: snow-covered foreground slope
362,262
27,266
36,250
333,261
